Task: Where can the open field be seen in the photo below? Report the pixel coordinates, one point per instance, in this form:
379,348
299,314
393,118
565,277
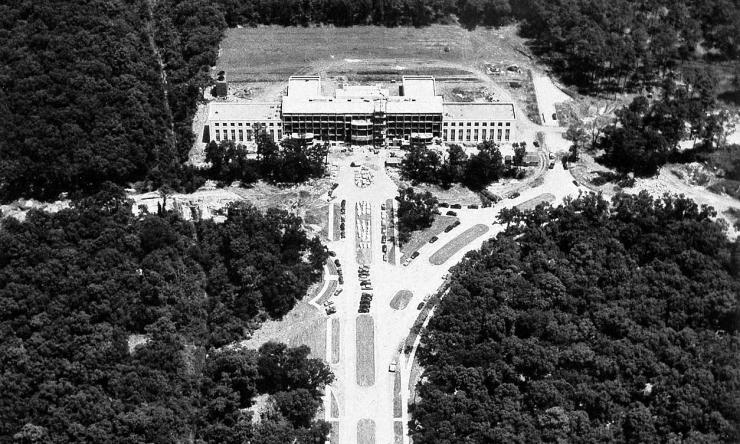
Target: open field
337,221
450,248
397,432
334,406
532,203
365,346
401,299
335,341
330,287
366,431
421,238
314,336
364,255
334,434
397,407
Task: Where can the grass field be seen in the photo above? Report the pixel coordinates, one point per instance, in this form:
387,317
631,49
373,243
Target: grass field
397,410
401,299
366,431
334,434
365,346
450,248
334,406
337,221
331,286
421,238
390,232
364,255
335,341
312,335
532,203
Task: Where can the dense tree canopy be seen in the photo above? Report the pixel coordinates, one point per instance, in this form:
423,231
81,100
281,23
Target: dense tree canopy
76,284
416,211
588,322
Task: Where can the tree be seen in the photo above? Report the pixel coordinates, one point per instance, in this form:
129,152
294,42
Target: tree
421,164
416,211
484,167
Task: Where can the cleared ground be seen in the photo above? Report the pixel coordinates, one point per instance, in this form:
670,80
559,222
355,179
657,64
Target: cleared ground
397,432
366,431
365,347
421,238
532,203
456,244
401,299
328,292
337,221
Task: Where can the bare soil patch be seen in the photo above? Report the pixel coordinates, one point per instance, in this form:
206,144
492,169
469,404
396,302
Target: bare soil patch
456,244
366,431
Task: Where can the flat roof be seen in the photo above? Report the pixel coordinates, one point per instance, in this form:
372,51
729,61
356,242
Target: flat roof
304,86
365,91
479,111
418,86
329,105
260,111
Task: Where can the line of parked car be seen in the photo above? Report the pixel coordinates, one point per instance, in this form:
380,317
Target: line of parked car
343,213
386,230
366,298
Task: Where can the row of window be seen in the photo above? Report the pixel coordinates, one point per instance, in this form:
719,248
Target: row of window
240,124
476,124
241,135
501,135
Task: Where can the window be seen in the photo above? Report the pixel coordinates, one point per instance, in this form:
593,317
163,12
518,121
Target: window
477,123
444,135
485,124
280,134
452,123
506,137
467,135
249,135
508,124
452,134
483,135
272,134
232,123
215,124
498,135
459,135
233,134
218,135
241,135
500,124
240,124
475,134
272,124
444,124
469,123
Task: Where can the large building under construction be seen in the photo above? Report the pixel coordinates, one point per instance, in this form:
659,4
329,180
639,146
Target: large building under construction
364,115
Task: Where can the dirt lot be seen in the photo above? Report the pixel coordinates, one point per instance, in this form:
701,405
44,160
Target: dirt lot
450,248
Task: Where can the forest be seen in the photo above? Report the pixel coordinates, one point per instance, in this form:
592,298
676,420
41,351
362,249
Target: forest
78,286
594,321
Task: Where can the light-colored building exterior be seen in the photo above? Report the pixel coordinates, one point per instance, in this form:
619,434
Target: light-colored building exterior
364,115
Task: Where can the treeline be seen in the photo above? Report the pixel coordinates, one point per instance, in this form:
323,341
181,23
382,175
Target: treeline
293,161
589,322
646,134
423,164
76,284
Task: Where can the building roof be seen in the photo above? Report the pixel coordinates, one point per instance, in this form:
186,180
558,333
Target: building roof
418,86
364,91
478,111
230,111
304,86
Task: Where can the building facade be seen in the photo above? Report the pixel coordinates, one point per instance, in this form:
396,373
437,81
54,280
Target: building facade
364,115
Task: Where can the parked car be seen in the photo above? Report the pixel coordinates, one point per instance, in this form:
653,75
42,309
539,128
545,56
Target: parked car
392,367
456,206
456,223
331,310
514,195
551,156
552,165
382,206
414,255
366,287
473,207
365,283
420,306
433,239
449,228
332,253
451,213
536,144
337,263
575,182
444,205
367,295
385,248
341,280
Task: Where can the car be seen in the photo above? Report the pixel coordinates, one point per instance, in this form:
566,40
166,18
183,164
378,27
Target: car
456,206
449,228
536,144
551,156
363,275
414,255
330,310
363,310
385,248
575,182
433,239
327,303
366,287
444,205
552,165
420,306
451,213
367,294
382,206
407,262
456,223
337,263
392,367
332,253
341,280
366,283
513,195
473,206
